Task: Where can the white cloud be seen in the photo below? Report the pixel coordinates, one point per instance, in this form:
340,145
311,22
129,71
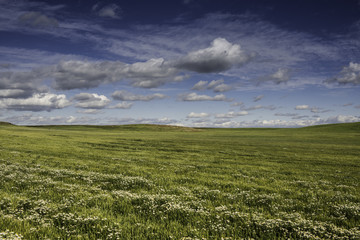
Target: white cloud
91,100
90,111
222,88
122,105
302,107
128,96
215,85
201,85
196,97
220,56
282,75
348,75
338,119
37,102
11,93
152,73
198,115
231,114
281,123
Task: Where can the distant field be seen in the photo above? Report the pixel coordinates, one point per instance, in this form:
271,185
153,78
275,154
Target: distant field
162,182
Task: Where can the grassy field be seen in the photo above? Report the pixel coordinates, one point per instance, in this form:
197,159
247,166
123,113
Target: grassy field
162,182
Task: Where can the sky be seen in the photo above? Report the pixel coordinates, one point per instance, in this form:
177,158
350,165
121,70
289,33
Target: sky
195,63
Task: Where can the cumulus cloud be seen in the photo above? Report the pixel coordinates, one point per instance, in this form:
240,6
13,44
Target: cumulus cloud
37,20
348,75
91,100
222,88
21,84
282,75
231,114
215,85
128,96
196,97
82,74
198,115
11,93
111,11
77,74
37,102
152,73
122,105
258,98
220,56
302,107
201,85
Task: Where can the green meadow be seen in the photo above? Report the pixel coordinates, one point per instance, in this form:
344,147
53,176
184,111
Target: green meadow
163,182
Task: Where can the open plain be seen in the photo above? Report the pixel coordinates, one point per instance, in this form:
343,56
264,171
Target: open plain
165,182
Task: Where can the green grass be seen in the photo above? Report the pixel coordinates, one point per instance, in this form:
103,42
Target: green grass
163,182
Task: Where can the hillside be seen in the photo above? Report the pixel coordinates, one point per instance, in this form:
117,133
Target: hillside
339,127
5,124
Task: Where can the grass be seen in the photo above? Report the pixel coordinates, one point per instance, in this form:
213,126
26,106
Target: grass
163,182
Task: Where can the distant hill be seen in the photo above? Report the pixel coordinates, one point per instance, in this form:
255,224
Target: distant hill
338,127
6,124
130,127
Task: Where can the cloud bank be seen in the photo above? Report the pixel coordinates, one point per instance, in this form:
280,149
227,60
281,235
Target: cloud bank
128,96
196,97
35,103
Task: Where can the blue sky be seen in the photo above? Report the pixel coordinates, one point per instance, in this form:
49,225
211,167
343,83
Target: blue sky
197,63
